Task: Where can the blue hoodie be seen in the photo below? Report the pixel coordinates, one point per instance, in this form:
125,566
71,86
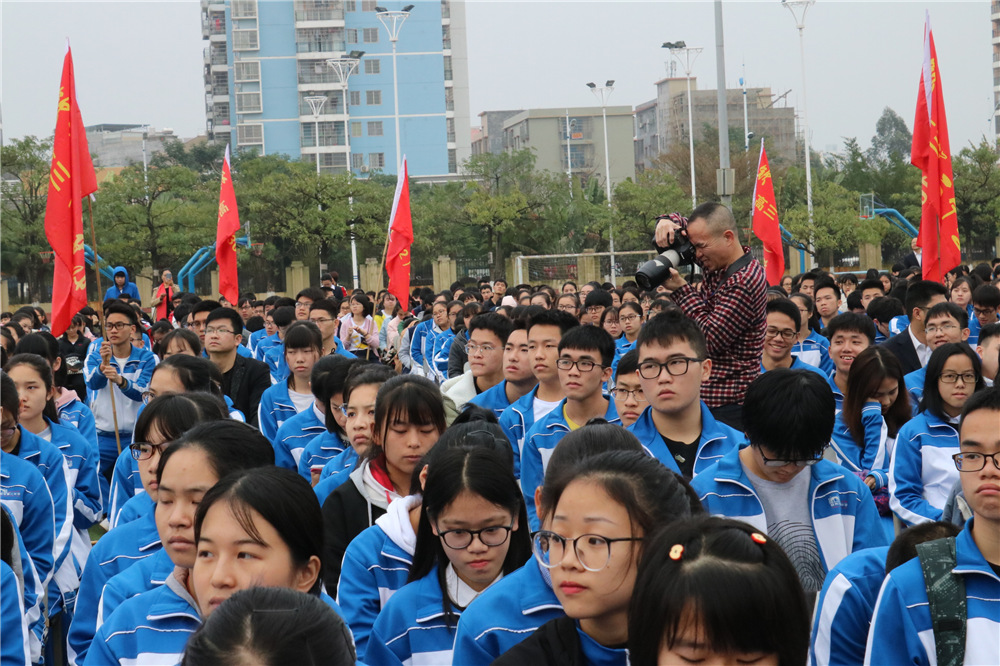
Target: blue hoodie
717,439
129,289
295,433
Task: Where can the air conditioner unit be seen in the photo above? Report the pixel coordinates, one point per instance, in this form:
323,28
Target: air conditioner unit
364,169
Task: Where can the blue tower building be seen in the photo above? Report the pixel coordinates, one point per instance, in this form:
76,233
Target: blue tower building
316,80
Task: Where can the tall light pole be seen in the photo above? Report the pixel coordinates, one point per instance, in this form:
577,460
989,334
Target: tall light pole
798,9
569,159
746,123
344,67
393,23
724,176
604,93
316,103
686,56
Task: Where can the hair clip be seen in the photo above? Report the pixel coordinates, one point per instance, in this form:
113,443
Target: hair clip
758,537
676,552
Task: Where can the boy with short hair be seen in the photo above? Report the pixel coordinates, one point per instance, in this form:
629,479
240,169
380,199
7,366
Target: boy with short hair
871,289
827,298
946,322
783,323
488,335
882,310
986,308
850,334
629,399
518,379
988,348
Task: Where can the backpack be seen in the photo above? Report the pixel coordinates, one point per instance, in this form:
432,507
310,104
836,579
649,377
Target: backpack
946,598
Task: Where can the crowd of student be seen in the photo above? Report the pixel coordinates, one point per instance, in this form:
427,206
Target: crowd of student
508,475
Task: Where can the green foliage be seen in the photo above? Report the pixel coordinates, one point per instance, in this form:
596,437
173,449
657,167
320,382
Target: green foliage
977,195
638,202
24,190
835,221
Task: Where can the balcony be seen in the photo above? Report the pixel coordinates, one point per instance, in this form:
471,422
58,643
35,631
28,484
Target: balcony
320,14
324,46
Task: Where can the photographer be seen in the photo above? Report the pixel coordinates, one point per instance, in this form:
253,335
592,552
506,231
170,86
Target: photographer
729,306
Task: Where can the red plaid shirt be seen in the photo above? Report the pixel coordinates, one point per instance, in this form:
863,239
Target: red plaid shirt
732,315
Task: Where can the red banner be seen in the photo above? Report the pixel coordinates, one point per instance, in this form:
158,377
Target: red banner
71,178
765,221
225,236
931,153
397,263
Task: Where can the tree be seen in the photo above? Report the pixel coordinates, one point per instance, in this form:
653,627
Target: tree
835,222
977,195
638,202
203,157
892,140
25,190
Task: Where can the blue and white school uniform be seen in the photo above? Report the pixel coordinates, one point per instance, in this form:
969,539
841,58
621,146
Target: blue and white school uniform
376,565
814,350
874,459
539,444
340,471
81,478
125,483
113,553
494,398
137,507
622,347
265,343
844,609
14,645
898,324
78,415
292,436
901,630
505,614
915,387
412,627
797,364
717,439
516,421
320,450
844,517
345,460
417,338
276,364
276,407
144,575
254,340
440,354
922,473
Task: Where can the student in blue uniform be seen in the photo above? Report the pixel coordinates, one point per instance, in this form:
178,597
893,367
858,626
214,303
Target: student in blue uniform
902,629
921,474
492,624
810,347
783,323
845,604
327,385
584,365
518,379
717,591
377,562
154,625
301,348
626,391
472,532
944,323
406,419
603,508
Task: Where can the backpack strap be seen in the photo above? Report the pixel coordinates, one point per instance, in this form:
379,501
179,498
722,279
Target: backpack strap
946,597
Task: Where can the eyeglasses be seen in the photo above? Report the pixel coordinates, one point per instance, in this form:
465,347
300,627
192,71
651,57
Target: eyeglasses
973,462
145,450
798,462
583,365
116,325
675,367
321,320
785,333
303,304
221,331
567,308
984,312
944,328
593,551
195,324
491,537
953,377
594,309
628,318
625,394
471,349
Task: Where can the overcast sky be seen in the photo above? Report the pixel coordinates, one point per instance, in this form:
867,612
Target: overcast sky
141,62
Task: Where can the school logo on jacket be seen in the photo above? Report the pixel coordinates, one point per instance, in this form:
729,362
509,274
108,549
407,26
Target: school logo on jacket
835,502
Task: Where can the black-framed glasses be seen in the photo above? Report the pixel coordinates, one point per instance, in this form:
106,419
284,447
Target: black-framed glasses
798,462
624,319
213,330
786,334
145,450
944,328
973,462
675,367
321,320
116,325
593,551
953,377
583,365
491,537
595,309
568,308
624,394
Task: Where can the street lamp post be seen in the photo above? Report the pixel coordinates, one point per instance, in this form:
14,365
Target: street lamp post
604,93
344,67
316,103
393,23
686,55
798,9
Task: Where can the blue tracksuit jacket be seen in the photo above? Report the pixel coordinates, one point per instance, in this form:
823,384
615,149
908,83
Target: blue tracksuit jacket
264,344
78,415
292,436
915,387
901,631
922,473
137,507
539,444
717,439
505,614
14,640
144,575
844,517
81,456
516,421
874,459
337,471
494,398
125,484
275,408
814,350
844,609
320,450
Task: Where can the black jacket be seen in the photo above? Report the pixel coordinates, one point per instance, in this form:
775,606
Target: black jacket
245,383
902,347
346,514
555,643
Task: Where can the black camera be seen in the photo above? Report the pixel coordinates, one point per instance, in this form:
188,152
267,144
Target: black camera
655,272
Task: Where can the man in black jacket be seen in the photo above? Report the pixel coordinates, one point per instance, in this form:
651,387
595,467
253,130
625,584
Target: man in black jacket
910,345
244,379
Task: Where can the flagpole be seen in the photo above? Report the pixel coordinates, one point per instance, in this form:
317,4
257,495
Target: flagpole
100,314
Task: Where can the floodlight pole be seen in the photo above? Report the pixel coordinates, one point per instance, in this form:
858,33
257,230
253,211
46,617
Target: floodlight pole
604,93
344,67
393,23
316,103
685,56
798,8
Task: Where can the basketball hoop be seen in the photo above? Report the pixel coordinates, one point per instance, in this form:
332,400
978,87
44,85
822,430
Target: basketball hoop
46,256
257,249
867,207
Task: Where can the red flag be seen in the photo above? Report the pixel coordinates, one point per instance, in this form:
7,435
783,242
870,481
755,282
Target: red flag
225,236
931,153
397,263
71,178
765,221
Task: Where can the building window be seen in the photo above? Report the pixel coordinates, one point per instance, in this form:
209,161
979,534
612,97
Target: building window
370,35
449,99
447,68
355,129
445,9
248,102
330,134
368,5
376,160
350,6
316,71
373,66
357,160
452,161
352,35
450,124
248,71
245,40
242,9
250,135
375,128
332,160
319,40
446,37
355,98
373,97
331,106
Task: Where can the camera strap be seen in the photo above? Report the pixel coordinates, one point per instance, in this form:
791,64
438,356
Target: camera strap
736,266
